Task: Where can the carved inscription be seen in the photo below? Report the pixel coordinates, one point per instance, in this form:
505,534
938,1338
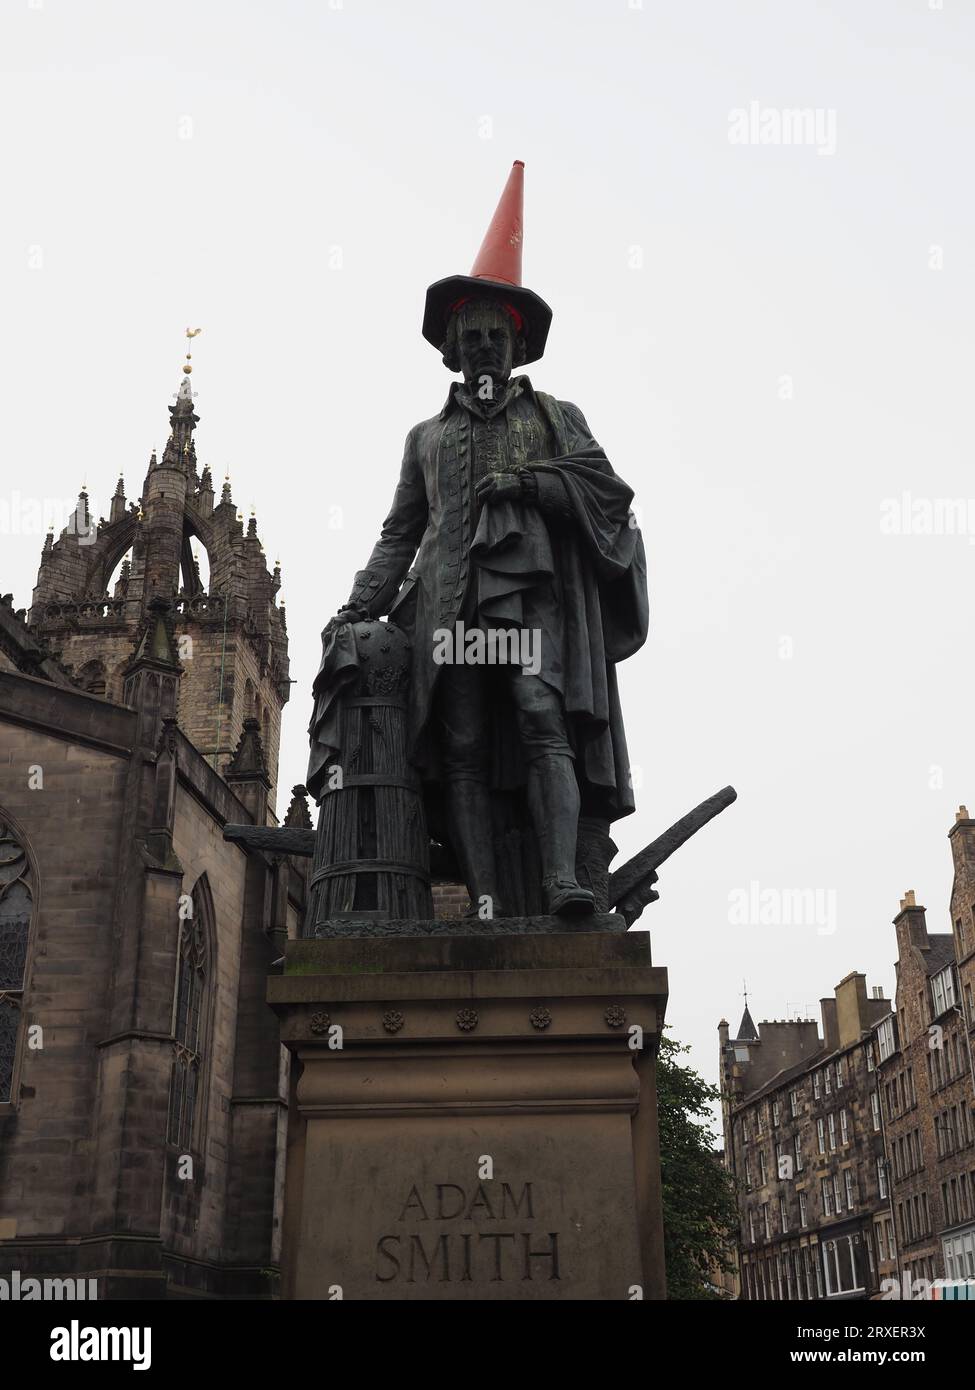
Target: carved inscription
478,1244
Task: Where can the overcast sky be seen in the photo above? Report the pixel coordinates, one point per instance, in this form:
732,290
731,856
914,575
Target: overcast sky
770,338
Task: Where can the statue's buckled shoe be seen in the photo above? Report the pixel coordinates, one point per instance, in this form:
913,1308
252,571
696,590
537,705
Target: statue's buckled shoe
566,898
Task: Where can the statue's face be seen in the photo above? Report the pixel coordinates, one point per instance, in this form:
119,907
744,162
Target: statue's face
485,345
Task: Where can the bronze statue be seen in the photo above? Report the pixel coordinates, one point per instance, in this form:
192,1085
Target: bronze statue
512,561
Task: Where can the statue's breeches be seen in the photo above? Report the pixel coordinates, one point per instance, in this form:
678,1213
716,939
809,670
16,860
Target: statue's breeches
464,708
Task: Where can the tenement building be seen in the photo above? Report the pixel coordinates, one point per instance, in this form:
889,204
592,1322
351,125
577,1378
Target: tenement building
854,1154
927,1082
142,1086
804,1145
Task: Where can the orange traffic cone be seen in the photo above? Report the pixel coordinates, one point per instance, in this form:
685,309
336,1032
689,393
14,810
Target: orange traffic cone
500,255
496,274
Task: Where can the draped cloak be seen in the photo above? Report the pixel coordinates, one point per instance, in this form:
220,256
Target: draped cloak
569,567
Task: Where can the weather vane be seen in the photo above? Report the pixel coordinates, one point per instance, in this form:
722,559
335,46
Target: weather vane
190,333
187,366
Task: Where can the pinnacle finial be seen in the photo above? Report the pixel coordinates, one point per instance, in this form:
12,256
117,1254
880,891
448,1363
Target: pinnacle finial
185,394
190,334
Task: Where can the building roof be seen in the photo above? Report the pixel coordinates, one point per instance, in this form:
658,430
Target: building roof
940,952
23,651
783,1077
747,1032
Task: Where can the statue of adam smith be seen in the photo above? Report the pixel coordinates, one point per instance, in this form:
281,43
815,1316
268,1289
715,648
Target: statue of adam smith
508,515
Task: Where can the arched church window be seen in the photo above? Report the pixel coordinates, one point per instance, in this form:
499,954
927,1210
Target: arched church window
16,910
190,1015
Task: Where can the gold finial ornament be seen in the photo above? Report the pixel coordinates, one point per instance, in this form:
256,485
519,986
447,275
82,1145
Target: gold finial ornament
190,333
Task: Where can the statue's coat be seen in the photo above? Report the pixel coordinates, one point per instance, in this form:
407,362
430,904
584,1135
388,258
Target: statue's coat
571,567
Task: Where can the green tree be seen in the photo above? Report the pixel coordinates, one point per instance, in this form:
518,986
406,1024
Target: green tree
700,1212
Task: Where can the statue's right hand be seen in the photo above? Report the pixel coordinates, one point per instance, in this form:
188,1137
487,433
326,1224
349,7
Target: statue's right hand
352,614
345,615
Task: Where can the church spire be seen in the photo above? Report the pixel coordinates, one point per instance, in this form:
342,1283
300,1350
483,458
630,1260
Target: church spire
180,451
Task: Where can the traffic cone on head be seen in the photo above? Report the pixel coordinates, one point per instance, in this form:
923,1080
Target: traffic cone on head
496,274
499,258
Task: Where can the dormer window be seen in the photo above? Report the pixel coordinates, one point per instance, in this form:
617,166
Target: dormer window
944,992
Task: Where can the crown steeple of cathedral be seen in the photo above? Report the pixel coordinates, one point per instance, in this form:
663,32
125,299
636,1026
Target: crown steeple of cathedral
99,584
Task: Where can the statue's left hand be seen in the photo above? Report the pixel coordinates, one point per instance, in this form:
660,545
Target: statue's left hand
503,487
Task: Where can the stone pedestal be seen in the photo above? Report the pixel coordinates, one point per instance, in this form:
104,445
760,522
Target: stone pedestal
472,1117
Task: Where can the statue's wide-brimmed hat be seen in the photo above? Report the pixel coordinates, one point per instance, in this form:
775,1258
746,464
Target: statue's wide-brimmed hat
496,274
